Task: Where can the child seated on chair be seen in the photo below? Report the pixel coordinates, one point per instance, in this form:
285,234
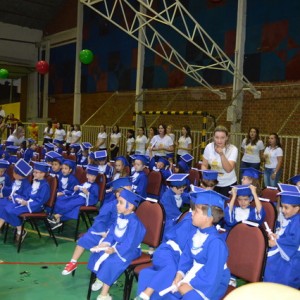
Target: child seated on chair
173,199
251,176
83,154
38,196
5,181
67,207
58,146
244,195
30,152
54,159
295,180
283,262
107,216
139,177
202,272
11,154
209,179
103,166
121,246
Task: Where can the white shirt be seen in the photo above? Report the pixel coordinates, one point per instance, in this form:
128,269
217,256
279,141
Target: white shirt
46,132
114,138
75,135
164,142
251,152
214,160
271,155
183,142
17,142
140,144
102,136
129,144
59,134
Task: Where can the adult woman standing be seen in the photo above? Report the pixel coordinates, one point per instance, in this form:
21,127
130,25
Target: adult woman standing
101,139
152,133
140,141
184,144
76,134
221,156
60,133
48,133
70,129
252,148
273,156
17,137
115,137
162,143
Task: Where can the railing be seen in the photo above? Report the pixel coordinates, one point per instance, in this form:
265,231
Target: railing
290,145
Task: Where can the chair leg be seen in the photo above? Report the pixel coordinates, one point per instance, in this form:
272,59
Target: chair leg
6,227
77,228
36,228
50,231
92,279
129,276
84,220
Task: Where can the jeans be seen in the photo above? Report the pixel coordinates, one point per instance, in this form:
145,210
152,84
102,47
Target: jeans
249,165
268,181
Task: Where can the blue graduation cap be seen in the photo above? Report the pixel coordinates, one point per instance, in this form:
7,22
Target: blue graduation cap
70,163
123,160
100,155
178,179
53,155
86,146
4,164
12,149
289,198
187,157
243,190
290,188
143,158
183,165
295,179
209,197
92,170
9,143
209,174
120,182
163,160
131,197
59,142
31,141
49,146
22,168
41,166
92,155
251,172
195,188
76,147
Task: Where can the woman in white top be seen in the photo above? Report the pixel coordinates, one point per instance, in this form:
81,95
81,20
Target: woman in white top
140,141
76,134
129,144
184,144
59,133
18,136
101,139
252,148
221,156
161,143
48,133
152,132
273,156
70,129
115,137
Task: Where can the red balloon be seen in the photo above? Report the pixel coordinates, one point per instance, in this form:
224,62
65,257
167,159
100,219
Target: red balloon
42,67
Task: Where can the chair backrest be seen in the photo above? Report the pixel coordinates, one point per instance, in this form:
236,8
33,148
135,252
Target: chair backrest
154,183
10,171
182,216
270,194
247,247
53,182
80,174
101,180
194,177
147,171
152,215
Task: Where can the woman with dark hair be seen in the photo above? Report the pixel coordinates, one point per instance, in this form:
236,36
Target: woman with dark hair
48,133
273,157
60,133
252,148
184,144
140,141
101,138
162,143
76,134
115,137
152,133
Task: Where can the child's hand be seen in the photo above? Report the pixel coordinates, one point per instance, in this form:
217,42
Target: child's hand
110,250
184,288
272,239
85,190
177,278
234,192
76,188
59,193
103,234
253,188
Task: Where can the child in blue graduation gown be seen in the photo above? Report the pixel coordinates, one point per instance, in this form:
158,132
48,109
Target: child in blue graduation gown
173,199
244,195
202,271
107,216
5,181
103,166
39,195
283,262
83,154
121,245
139,177
67,207
30,152
54,159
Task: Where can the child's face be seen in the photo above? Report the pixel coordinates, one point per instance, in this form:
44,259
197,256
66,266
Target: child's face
121,206
119,166
243,201
160,165
138,165
298,183
38,175
289,210
102,162
91,178
17,176
199,219
33,147
66,170
56,166
178,190
246,180
2,171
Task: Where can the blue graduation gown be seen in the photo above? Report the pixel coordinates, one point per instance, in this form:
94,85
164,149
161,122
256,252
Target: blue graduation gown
66,184
55,174
139,183
165,259
172,208
283,262
28,154
68,206
107,216
39,195
108,171
6,185
125,235
203,262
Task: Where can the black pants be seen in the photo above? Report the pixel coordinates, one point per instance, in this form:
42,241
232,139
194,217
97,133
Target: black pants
114,152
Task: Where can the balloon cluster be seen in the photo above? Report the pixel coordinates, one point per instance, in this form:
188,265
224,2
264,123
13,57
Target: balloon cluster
3,73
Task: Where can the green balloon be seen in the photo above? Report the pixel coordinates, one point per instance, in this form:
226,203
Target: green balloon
86,56
3,73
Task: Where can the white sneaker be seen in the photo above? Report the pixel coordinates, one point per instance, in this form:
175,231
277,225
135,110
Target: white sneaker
97,285
107,297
